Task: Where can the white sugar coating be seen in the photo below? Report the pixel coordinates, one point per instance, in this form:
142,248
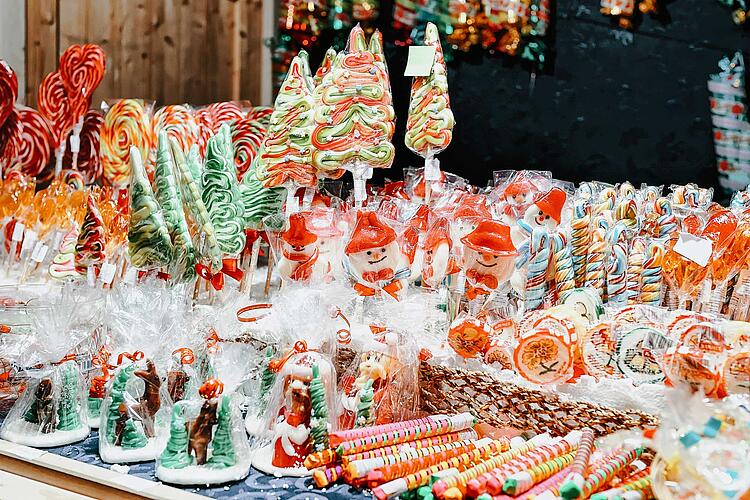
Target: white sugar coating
262,461
26,433
116,454
203,474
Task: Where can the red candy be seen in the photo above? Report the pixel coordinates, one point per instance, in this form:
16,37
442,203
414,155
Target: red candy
8,90
35,144
82,69
54,104
89,163
10,136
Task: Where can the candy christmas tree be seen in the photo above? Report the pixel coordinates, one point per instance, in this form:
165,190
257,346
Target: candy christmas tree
429,128
149,245
319,415
132,436
365,415
68,418
222,447
325,66
354,118
170,201
258,201
175,455
91,239
221,195
286,154
115,400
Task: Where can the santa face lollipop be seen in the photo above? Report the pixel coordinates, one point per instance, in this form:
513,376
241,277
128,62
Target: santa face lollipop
488,255
545,212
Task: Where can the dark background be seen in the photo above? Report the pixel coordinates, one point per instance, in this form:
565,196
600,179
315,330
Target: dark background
612,105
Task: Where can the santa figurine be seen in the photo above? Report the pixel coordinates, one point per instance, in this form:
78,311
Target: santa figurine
299,250
293,444
488,259
544,212
375,257
436,248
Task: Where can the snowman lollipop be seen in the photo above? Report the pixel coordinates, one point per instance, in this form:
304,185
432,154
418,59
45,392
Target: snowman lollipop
375,257
299,250
438,261
543,213
488,258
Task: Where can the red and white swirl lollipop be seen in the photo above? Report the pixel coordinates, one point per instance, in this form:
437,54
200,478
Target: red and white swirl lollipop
247,134
82,69
54,105
178,122
10,136
35,145
8,90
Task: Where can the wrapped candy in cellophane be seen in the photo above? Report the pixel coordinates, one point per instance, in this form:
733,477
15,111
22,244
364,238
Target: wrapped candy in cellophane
380,385
300,412
207,444
144,323
63,332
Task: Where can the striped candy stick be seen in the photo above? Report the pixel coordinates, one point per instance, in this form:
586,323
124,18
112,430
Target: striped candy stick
338,437
551,484
595,270
564,274
523,481
652,277
574,482
536,277
606,469
402,469
580,238
641,486
469,434
458,481
422,477
617,264
329,475
360,468
635,269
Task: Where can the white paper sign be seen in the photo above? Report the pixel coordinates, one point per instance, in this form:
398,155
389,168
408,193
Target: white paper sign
108,273
29,240
420,60
432,170
17,232
694,248
130,275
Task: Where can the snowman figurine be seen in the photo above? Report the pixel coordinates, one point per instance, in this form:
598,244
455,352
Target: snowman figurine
488,257
470,211
517,196
375,257
544,212
299,250
438,261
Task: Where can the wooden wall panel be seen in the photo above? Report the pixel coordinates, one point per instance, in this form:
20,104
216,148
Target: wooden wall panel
170,51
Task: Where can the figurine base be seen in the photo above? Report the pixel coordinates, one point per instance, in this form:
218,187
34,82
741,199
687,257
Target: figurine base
262,461
118,455
27,434
253,425
200,475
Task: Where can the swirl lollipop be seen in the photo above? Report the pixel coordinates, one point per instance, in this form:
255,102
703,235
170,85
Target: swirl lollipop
89,162
247,136
10,138
56,107
8,90
91,240
126,124
179,124
36,144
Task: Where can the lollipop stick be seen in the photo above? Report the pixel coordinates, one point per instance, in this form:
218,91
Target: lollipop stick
269,271
359,171
253,265
59,154
75,142
431,174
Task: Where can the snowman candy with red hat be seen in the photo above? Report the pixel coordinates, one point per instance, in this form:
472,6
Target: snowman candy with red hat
545,212
488,259
375,259
299,250
517,197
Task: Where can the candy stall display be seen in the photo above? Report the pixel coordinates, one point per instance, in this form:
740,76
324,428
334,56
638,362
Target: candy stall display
196,283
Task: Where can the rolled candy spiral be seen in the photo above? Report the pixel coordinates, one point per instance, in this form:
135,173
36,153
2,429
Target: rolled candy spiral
247,136
564,274
35,145
63,265
178,122
55,106
580,238
89,162
126,124
8,90
261,114
10,138
92,238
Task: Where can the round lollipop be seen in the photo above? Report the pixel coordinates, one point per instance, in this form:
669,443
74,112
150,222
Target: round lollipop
89,163
224,112
35,145
55,106
247,136
8,90
126,124
10,136
179,123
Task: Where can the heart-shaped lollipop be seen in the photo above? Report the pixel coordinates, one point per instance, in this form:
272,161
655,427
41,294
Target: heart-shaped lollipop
10,135
82,69
8,90
54,104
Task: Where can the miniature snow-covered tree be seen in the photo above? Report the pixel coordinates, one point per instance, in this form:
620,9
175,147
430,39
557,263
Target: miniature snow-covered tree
222,447
132,436
175,455
115,399
67,409
319,414
365,415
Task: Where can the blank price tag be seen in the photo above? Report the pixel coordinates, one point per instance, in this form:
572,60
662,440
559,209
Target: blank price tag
130,275
29,240
108,273
420,60
432,170
694,248
40,252
17,232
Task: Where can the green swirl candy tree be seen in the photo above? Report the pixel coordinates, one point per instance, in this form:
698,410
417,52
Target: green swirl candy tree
149,246
222,448
319,415
175,455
